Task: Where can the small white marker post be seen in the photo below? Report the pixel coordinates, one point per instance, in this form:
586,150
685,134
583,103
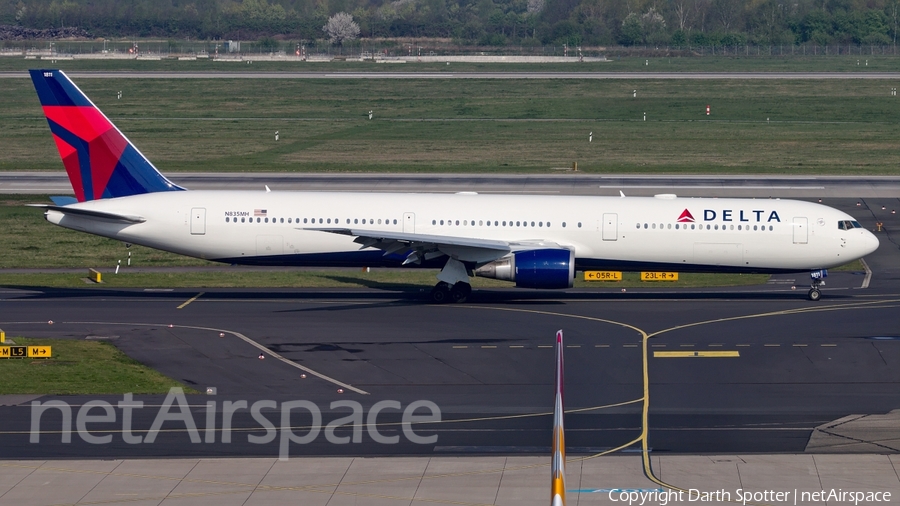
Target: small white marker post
370,114
591,137
276,135
118,264
635,93
129,259
645,116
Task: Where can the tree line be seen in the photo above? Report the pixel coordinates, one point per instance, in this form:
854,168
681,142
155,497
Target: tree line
677,23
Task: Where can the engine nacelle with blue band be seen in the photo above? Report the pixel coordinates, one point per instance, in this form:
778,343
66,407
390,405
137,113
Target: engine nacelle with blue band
538,268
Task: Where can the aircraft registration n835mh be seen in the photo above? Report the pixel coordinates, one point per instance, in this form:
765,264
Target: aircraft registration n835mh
533,241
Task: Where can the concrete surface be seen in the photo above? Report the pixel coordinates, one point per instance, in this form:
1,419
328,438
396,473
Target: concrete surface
519,481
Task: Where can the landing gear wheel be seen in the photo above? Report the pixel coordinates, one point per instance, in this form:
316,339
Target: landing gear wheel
460,292
440,293
814,294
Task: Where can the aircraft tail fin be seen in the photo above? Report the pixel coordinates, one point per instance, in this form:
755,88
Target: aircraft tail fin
100,161
558,465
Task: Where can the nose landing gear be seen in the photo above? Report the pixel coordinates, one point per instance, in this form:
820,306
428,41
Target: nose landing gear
818,279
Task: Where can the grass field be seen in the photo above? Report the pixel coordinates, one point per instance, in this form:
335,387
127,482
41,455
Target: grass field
484,126
80,367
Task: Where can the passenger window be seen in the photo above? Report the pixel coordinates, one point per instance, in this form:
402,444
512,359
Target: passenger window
564,224
226,219
579,224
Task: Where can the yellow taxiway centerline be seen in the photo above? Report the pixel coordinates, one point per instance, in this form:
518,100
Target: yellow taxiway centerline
691,354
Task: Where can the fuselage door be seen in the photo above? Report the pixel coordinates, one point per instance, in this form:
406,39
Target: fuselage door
801,231
409,223
610,226
198,221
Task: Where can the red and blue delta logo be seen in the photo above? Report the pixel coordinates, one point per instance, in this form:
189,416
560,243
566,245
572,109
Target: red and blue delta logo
686,217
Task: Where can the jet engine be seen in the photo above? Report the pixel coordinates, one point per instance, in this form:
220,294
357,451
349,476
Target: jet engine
538,268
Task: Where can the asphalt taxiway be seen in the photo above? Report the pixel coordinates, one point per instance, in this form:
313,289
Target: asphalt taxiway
753,372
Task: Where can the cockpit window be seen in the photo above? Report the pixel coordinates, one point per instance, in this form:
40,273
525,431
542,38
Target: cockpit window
848,225
856,224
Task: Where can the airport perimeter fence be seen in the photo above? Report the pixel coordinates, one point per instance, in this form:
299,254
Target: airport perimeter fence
364,49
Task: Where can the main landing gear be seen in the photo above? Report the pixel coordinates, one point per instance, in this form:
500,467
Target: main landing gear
444,292
453,283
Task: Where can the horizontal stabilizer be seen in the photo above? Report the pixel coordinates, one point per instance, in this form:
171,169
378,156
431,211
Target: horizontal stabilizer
89,213
63,200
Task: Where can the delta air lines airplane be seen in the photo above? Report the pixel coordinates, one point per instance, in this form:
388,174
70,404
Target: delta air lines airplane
535,241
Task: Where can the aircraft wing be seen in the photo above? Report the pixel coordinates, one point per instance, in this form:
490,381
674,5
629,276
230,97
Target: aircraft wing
127,218
420,247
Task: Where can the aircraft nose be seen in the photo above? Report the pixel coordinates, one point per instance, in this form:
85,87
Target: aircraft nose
869,243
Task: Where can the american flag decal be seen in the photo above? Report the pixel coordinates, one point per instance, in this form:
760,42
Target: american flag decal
259,212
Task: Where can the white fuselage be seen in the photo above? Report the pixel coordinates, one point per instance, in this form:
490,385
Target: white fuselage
741,235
